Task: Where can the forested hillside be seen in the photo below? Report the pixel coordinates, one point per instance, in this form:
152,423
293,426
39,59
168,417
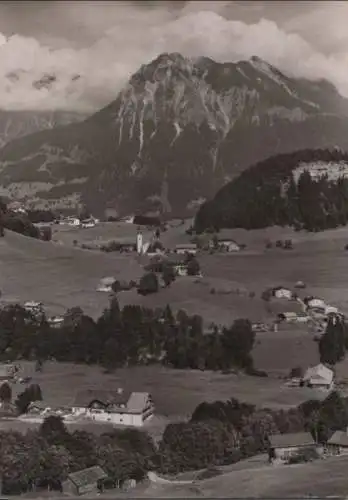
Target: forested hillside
269,193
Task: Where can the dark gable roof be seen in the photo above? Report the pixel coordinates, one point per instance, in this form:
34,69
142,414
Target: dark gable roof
289,440
87,476
85,398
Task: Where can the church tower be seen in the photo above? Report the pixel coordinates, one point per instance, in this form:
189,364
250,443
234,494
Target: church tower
139,242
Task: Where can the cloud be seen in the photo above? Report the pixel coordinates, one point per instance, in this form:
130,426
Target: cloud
119,37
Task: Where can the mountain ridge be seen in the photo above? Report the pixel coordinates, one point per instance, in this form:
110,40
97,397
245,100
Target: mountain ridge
178,130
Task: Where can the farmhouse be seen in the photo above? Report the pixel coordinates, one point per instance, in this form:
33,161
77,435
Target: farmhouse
338,443
91,222
190,248
55,321
280,292
33,307
105,284
319,376
228,245
85,481
294,317
284,446
119,407
315,303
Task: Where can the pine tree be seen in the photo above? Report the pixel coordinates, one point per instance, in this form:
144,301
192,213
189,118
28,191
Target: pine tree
332,343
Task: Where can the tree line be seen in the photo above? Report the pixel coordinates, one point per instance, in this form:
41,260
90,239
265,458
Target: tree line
129,336
267,194
218,433
135,335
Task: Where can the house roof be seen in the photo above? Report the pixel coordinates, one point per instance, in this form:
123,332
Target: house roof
339,438
189,246
277,288
318,372
292,439
227,240
134,402
84,398
137,401
87,476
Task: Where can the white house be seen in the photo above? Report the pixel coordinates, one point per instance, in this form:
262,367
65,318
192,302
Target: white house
331,310
35,308
105,284
282,293
315,303
119,407
86,223
319,377
55,321
228,245
73,221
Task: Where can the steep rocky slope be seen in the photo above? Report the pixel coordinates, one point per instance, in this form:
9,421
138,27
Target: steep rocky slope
176,133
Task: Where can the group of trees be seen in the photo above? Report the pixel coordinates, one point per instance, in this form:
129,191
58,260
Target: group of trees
43,458
128,336
218,433
333,343
267,194
24,223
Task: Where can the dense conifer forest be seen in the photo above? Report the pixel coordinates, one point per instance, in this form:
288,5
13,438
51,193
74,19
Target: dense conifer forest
267,194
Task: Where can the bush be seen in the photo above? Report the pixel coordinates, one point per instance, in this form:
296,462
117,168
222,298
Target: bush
193,267
148,284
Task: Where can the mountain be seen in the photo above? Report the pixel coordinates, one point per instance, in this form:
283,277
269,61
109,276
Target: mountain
306,190
14,124
178,131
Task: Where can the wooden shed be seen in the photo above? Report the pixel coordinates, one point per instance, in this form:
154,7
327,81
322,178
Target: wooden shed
85,481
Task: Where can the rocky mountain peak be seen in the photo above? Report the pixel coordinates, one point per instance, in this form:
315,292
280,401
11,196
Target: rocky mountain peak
179,129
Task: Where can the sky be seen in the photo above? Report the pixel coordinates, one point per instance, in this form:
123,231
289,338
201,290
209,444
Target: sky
93,47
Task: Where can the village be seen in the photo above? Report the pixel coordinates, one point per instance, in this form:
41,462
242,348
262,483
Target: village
278,311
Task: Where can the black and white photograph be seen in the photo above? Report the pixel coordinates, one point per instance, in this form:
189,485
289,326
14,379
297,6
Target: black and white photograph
173,249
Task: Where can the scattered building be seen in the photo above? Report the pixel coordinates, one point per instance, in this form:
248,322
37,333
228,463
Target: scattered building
120,407
190,248
338,443
105,284
90,222
259,327
319,377
281,292
294,317
228,245
284,446
315,303
33,306
55,321
85,481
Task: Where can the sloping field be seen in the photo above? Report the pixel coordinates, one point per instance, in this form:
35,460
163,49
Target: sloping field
59,276
320,478
175,392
